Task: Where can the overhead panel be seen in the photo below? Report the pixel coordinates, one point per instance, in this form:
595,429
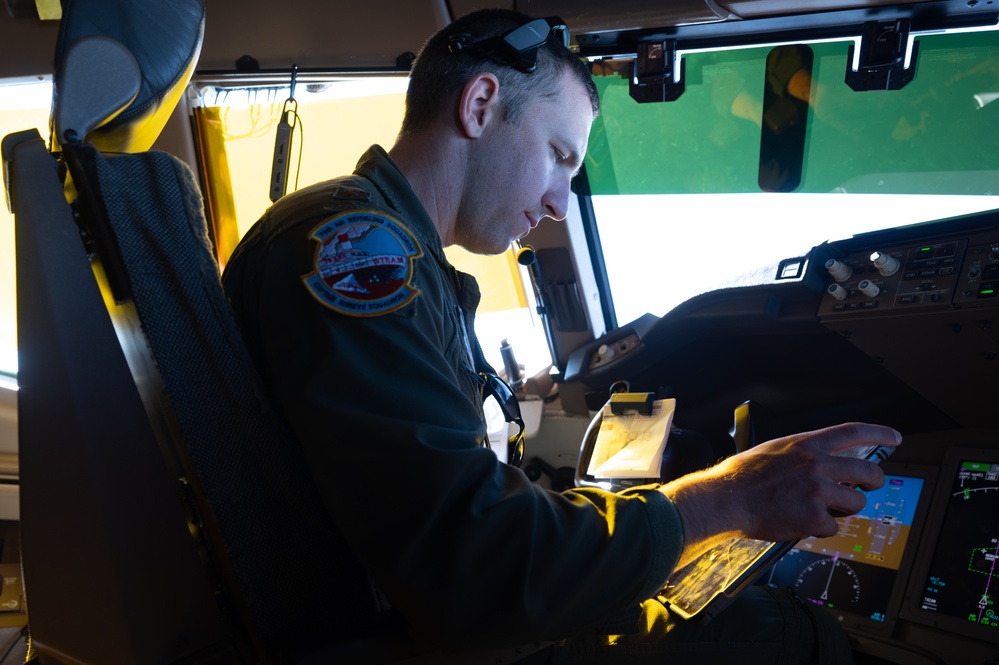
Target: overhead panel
316,35
597,15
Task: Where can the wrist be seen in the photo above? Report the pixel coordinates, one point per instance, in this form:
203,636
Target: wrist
707,510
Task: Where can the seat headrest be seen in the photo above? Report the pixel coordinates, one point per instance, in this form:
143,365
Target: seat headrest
164,38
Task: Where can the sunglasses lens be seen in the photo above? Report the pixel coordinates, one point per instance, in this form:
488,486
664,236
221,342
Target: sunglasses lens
561,32
505,396
530,35
496,387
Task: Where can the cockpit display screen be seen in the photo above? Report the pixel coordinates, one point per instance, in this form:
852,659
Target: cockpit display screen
960,586
855,574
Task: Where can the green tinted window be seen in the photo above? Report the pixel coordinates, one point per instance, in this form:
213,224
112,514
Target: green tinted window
937,135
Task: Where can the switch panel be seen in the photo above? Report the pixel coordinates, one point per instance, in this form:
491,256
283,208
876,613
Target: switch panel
939,274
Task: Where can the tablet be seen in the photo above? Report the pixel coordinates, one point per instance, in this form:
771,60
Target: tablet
706,586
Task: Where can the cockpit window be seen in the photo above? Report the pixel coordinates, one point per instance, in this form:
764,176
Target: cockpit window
934,136
687,174
24,104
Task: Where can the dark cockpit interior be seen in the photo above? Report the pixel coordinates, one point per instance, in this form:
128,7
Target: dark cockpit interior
784,215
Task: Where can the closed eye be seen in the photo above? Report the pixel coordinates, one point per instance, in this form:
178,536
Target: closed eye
570,160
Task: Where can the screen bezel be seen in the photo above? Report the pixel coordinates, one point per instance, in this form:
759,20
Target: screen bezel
858,622
911,610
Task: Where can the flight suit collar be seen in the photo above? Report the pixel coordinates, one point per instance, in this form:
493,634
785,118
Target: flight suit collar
377,166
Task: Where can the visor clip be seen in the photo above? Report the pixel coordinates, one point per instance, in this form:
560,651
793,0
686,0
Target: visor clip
659,74
881,61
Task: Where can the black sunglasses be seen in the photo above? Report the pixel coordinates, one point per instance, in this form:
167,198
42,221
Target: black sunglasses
492,385
517,48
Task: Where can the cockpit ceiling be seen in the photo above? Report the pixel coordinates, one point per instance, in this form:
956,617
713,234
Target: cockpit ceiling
322,35
359,35
584,16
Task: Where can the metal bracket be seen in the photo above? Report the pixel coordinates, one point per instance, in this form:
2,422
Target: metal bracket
881,62
655,79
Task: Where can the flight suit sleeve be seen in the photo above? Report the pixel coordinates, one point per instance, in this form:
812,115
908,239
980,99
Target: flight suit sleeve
464,546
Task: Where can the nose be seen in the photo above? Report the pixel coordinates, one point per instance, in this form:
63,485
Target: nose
556,199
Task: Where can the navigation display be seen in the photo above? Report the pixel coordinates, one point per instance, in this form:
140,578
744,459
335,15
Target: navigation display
959,586
855,574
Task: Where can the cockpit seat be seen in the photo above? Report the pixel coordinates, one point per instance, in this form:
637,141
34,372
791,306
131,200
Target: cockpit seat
167,515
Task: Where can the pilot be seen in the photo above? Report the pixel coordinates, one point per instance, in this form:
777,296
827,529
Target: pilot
365,336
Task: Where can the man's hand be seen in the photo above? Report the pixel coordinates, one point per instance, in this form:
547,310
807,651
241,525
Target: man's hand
785,489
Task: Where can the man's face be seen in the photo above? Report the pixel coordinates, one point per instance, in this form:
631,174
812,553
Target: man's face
520,172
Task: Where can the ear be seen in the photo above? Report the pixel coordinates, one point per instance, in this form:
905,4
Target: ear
478,104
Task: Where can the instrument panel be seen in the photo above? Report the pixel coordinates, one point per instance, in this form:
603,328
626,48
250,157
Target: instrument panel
899,327
916,276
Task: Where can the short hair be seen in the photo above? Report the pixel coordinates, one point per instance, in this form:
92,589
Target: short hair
438,73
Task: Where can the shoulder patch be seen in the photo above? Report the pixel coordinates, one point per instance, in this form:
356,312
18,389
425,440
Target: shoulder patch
363,264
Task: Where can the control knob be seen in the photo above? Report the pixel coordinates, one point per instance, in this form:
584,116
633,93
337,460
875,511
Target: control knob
885,263
868,288
839,270
837,292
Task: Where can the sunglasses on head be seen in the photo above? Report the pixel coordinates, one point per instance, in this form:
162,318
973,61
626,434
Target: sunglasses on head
517,48
492,385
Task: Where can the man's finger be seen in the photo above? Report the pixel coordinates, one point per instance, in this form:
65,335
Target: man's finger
841,438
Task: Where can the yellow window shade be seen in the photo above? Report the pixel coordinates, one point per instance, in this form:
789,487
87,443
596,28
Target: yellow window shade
498,277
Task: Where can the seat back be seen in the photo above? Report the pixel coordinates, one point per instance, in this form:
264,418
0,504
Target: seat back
167,514
110,572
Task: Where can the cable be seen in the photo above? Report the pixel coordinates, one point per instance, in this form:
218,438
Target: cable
301,143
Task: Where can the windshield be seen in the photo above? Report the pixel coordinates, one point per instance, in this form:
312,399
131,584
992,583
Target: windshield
677,186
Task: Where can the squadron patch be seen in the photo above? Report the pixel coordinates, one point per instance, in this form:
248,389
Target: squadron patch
363,264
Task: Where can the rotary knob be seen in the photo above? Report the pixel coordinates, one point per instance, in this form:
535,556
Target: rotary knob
885,263
868,288
839,270
837,292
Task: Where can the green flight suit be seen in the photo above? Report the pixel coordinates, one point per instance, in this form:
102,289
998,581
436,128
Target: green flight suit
363,333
